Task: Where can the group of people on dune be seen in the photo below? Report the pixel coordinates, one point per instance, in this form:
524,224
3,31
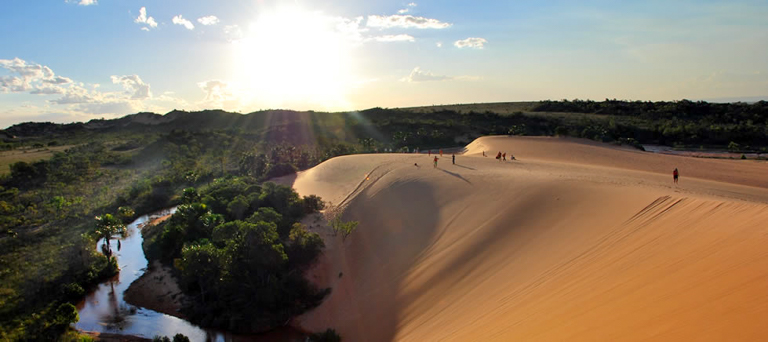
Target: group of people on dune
503,157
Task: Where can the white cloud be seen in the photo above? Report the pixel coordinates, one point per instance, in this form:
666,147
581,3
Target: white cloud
208,20
74,94
439,44
12,84
407,9
47,90
144,19
84,2
215,90
394,38
474,43
405,21
423,76
57,80
178,20
25,76
133,85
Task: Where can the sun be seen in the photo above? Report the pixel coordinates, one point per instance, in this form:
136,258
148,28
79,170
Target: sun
292,58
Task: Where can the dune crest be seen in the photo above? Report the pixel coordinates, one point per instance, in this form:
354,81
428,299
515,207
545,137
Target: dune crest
573,241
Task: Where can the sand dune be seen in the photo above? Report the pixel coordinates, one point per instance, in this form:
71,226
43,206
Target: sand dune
574,241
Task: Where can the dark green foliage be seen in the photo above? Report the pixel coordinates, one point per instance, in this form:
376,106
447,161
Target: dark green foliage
244,273
328,335
66,314
678,122
72,291
279,170
266,214
303,246
189,196
313,204
180,338
176,338
237,207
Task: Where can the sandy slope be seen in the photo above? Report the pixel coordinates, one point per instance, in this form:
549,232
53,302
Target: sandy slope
571,242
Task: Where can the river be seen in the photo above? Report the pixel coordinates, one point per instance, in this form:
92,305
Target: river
104,310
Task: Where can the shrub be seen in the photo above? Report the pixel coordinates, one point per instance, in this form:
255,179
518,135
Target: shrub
329,335
72,291
312,204
279,170
66,314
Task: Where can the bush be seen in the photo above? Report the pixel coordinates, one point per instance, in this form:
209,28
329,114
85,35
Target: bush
279,170
72,291
312,204
180,338
66,314
329,335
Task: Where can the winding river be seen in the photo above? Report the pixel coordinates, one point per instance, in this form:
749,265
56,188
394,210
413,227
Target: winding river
104,309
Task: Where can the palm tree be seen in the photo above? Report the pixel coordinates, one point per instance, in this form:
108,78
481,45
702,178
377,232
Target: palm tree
107,226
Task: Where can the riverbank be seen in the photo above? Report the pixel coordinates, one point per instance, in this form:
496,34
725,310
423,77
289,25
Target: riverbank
107,337
157,290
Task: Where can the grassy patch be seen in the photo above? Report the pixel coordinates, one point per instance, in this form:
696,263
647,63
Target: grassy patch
26,155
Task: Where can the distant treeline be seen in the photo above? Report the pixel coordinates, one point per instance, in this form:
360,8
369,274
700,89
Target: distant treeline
674,123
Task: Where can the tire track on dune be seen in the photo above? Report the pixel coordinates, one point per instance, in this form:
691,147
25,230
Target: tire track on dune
362,184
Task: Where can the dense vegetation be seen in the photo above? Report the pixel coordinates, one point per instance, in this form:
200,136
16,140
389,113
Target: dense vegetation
670,123
143,162
240,250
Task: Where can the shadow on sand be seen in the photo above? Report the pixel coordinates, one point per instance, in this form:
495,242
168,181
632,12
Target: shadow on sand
466,167
456,175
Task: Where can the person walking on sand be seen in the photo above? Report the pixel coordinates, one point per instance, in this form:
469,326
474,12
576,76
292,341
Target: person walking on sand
498,156
504,156
435,161
675,175
484,154
429,152
453,159
441,152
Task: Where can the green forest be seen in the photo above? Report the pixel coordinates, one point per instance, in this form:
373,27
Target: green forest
236,240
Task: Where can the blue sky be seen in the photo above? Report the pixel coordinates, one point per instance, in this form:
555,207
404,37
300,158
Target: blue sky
76,60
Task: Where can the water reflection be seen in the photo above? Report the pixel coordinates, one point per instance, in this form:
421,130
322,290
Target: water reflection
104,310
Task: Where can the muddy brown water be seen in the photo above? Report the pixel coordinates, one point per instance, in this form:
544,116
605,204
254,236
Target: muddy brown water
104,310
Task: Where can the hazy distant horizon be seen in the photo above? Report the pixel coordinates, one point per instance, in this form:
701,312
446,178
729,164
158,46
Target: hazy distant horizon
53,116
76,60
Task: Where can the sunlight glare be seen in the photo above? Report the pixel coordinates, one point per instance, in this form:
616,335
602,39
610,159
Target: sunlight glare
291,57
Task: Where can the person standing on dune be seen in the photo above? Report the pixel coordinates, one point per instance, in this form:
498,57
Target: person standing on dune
453,157
675,175
435,161
504,156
